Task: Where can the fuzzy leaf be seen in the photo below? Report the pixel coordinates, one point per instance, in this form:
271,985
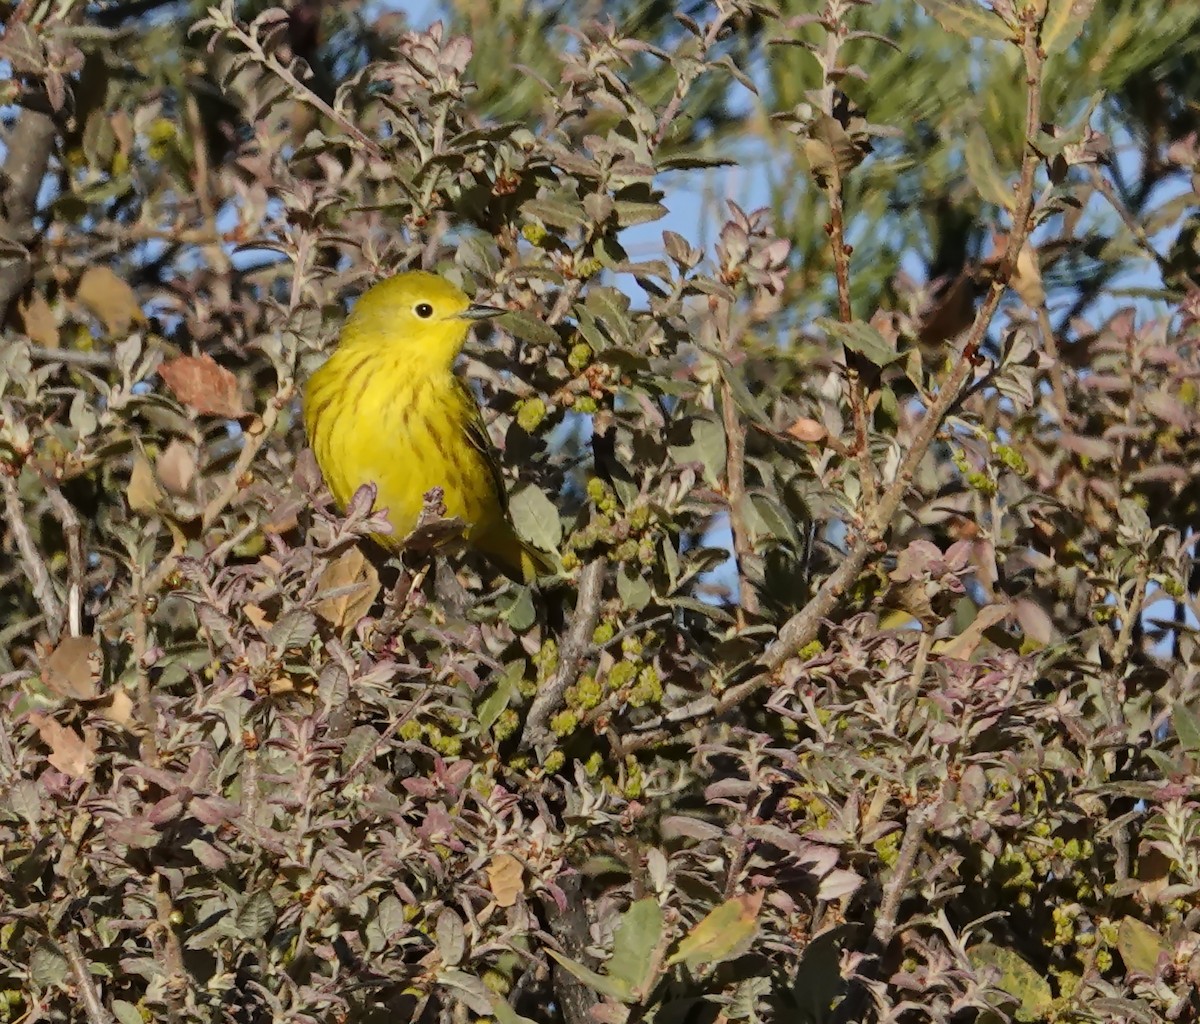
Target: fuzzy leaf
722,935
633,961
535,516
1140,946
1063,23
606,986
967,19
1016,977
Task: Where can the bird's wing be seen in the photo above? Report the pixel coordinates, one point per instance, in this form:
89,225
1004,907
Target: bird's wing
477,437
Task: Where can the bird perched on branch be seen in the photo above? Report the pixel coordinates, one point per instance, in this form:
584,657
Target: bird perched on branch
387,408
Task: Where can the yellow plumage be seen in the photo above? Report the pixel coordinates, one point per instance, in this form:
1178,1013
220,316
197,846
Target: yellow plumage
387,408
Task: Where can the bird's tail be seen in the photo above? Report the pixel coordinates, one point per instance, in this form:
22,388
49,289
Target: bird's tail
519,560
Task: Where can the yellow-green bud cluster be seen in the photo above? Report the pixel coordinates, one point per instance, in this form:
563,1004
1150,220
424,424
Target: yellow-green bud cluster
531,412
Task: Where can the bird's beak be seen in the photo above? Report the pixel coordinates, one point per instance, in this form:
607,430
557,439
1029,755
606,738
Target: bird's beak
478,311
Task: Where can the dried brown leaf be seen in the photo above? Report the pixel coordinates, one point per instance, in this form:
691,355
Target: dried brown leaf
119,710
257,617
70,753
1027,281
109,299
350,570
199,383
143,494
73,669
807,430
505,878
38,321
176,468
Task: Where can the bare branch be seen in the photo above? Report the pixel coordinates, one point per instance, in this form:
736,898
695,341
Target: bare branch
575,648
41,584
25,164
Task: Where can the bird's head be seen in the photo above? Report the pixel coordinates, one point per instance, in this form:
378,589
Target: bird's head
420,314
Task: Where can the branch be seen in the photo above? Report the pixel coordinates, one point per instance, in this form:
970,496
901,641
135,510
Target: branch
889,908
1104,187
39,573
570,928
575,648
25,165
735,475
72,533
89,996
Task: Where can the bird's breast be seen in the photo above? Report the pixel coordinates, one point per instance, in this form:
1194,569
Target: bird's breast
405,432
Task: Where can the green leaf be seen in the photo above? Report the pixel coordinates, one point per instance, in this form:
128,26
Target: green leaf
478,256
859,336
502,695
257,915
745,401
1137,1010
519,613
633,589
1016,977
705,444
611,308
1063,23
633,960
556,211
528,328
126,1013
468,989
1187,728
1140,945
47,966
535,517
984,172
293,630
451,938
505,1014
610,987
692,163
723,934
966,18
631,213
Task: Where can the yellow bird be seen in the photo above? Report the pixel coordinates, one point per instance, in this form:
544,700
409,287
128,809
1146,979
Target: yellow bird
387,408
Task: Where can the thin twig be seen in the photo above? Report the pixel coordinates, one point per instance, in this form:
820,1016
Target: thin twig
85,984
686,78
735,473
1050,344
71,357
569,926
303,94
1104,187
39,573
73,533
856,366
145,712
897,883
802,627
575,648
886,918
25,163
169,950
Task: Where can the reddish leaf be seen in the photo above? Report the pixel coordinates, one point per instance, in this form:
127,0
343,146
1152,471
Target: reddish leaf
73,670
199,383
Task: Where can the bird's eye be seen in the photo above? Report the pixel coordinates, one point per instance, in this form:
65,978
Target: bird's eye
424,310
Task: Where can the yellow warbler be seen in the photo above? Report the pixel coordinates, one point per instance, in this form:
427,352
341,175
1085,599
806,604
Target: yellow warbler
387,408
